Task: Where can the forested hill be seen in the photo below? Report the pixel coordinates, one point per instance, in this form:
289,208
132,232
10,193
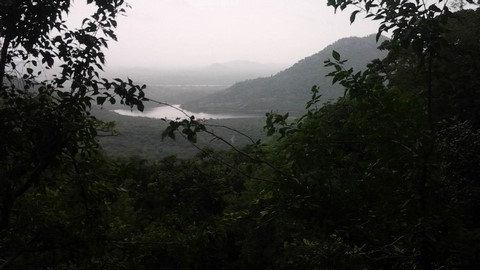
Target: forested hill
288,90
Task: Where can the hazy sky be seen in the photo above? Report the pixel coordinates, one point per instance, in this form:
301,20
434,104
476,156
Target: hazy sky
160,33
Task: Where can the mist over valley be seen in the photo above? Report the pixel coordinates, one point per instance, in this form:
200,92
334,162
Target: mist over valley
242,88
236,94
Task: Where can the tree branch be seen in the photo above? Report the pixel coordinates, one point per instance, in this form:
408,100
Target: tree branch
3,56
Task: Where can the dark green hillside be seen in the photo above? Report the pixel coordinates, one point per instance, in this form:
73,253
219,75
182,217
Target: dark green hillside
288,90
141,136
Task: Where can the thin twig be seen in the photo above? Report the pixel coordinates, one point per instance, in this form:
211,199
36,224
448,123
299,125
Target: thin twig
229,165
232,129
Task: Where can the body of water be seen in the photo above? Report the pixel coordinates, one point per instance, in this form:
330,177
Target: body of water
175,112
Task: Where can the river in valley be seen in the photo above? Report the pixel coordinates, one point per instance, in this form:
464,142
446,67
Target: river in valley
174,112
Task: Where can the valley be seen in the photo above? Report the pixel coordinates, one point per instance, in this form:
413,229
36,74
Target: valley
238,105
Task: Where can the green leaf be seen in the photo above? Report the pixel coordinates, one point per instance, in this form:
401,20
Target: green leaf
377,37
352,16
50,61
101,100
336,55
270,131
140,106
192,137
434,8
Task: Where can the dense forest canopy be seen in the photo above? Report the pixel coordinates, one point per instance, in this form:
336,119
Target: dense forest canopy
384,178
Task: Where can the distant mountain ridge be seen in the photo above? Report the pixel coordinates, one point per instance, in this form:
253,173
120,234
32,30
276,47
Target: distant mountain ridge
289,90
227,73
244,65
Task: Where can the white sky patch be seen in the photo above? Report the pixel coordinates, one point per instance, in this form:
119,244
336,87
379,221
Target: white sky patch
176,33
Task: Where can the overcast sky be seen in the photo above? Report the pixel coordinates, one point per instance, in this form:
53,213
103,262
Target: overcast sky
179,33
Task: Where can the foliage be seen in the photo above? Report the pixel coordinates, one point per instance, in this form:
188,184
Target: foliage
46,125
380,179
454,85
378,157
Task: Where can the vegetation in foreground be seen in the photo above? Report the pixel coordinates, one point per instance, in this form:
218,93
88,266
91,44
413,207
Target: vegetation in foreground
385,178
